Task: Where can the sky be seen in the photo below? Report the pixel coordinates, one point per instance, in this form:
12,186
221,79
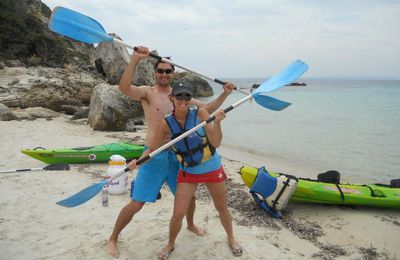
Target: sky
258,38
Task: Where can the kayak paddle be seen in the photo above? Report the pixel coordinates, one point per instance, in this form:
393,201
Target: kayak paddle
291,73
51,167
82,28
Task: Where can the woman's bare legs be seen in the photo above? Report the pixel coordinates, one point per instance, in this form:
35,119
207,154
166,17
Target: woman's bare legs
190,219
218,194
183,197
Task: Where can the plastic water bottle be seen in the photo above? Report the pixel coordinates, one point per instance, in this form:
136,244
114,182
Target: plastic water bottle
104,196
132,187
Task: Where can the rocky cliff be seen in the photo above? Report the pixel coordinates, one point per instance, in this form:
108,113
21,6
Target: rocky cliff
42,70
24,36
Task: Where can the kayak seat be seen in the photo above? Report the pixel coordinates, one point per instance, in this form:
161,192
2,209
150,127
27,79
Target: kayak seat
395,183
329,177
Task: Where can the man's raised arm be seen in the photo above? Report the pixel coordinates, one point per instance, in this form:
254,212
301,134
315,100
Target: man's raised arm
125,83
213,105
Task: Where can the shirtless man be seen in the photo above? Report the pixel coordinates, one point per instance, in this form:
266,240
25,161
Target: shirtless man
164,166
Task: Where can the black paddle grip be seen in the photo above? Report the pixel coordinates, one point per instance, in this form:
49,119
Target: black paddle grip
155,56
212,118
226,110
142,160
221,82
23,170
159,58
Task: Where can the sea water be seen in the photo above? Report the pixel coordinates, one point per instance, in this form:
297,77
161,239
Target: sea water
352,126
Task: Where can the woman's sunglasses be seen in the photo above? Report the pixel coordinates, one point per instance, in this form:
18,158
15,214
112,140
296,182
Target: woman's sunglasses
181,97
162,71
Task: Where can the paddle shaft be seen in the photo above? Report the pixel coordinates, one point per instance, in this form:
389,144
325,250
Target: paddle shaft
292,72
51,167
21,170
182,136
80,27
78,24
159,58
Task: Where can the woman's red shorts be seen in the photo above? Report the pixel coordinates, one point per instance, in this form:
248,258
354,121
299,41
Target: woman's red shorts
214,176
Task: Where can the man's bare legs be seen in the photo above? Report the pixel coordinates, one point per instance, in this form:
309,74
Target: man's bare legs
124,217
133,207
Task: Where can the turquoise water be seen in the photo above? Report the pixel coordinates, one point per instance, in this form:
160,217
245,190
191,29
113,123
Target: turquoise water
352,126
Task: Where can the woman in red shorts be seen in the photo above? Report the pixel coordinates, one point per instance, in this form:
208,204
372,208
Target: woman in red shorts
199,162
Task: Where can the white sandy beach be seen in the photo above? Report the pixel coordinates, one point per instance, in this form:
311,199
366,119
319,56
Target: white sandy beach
32,226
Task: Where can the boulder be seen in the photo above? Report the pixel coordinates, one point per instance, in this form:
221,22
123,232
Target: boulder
32,113
144,75
6,114
22,114
111,59
201,86
41,112
110,109
45,87
69,110
82,113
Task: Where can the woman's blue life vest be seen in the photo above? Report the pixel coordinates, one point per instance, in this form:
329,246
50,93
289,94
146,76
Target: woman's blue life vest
195,148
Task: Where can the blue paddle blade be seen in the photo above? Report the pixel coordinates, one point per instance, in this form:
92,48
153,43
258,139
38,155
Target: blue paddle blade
291,73
77,26
82,196
271,103
288,75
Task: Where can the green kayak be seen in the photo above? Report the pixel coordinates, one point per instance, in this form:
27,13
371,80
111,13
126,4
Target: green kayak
317,191
98,153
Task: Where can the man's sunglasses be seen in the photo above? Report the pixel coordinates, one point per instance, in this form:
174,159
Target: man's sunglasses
168,71
181,97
